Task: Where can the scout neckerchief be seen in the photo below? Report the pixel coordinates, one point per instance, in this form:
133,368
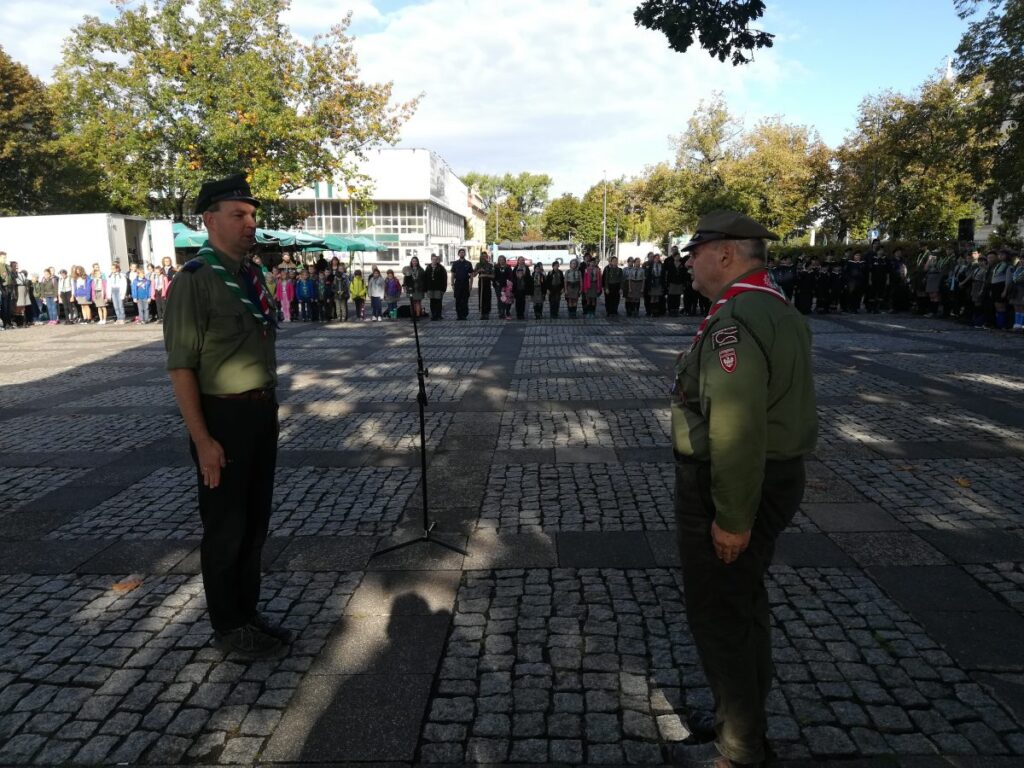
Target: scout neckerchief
253,295
755,281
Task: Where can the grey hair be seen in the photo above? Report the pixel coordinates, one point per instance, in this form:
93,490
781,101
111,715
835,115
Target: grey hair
755,249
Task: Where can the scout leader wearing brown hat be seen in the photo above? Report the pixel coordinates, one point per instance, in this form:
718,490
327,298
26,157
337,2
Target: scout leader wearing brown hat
219,333
743,418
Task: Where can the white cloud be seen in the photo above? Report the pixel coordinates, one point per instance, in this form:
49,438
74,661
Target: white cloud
570,88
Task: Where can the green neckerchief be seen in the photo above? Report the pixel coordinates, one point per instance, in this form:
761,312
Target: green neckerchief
229,280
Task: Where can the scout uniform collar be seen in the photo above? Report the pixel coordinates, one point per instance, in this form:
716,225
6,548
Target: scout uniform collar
759,280
253,295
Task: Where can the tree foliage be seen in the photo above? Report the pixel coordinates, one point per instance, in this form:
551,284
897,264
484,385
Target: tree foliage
913,165
721,26
35,177
172,93
561,218
520,200
991,49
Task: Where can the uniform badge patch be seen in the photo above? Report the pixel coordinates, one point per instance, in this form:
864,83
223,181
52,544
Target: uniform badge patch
724,336
728,359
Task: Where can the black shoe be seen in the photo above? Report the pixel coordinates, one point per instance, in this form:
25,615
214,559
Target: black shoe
248,641
701,725
704,756
285,636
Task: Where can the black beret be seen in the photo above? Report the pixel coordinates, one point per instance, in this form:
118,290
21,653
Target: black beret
234,187
727,225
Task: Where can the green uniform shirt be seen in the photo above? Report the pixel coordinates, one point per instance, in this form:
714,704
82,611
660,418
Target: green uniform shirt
745,394
209,330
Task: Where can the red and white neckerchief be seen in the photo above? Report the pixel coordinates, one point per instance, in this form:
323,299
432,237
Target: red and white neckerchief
760,280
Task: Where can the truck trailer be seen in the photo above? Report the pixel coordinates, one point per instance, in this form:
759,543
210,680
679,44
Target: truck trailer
83,239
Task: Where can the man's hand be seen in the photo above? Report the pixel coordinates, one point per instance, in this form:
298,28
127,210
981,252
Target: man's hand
728,546
211,461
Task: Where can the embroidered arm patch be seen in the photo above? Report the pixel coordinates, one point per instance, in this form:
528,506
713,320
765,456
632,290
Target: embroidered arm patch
725,336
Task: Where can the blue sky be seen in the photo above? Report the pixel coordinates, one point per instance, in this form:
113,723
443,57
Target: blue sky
572,88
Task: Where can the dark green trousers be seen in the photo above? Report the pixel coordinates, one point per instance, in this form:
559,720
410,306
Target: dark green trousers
727,605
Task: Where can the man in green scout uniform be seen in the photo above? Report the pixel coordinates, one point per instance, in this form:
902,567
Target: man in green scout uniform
219,332
743,418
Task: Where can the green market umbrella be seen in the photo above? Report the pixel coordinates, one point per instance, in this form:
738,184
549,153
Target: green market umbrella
185,237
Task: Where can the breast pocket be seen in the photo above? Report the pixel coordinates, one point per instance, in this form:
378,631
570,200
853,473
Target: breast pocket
223,326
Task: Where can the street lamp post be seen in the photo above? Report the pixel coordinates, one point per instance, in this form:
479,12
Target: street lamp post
604,214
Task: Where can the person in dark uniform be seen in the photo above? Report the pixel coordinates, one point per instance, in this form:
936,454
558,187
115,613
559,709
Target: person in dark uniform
219,333
806,283
462,280
502,274
654,286
553,284
855,280
437,284
785,276
484,273
881,273
675,281
739,476
522,287
611,281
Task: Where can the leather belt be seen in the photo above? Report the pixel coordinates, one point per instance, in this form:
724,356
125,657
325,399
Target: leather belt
252,394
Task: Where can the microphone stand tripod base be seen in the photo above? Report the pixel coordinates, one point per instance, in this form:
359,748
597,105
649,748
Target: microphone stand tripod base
421,399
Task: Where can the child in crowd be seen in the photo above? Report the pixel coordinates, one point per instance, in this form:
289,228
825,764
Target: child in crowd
392,293
83,293
98,286
161,284
357,290
325,296
142,291
507,297
66,293
46,291
285,294
305,293
375,287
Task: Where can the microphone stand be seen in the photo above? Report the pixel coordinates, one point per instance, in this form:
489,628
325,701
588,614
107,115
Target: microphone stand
421,398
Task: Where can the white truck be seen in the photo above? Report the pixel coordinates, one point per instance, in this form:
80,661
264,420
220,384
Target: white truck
83,239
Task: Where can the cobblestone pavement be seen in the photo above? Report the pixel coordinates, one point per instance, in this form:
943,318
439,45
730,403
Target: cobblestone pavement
561,639
579,497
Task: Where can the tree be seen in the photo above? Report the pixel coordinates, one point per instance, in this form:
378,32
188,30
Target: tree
991,49
511,224
723,26
561,218
34,176
170,94
529,189
911,168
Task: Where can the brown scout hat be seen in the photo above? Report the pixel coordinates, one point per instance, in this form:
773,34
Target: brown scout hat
727,225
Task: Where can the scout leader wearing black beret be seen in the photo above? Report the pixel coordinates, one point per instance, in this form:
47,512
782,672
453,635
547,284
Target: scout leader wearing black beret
219,333
743,418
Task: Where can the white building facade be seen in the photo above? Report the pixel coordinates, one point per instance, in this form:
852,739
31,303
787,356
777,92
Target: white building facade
417,206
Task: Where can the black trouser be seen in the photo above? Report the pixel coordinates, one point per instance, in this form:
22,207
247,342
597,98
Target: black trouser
655,305
65,301
435,309
538,309
236,514
485,298
690,297
6,303
647,304
521,307
612,296
673,304
554,300
727,605
462,301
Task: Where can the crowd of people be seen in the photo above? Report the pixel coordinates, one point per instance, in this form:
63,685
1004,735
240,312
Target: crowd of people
985,289
78,296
